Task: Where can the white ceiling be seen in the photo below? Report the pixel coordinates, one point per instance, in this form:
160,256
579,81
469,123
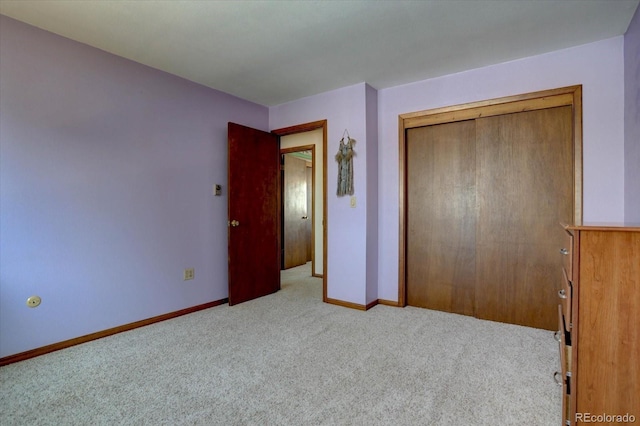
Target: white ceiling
271,52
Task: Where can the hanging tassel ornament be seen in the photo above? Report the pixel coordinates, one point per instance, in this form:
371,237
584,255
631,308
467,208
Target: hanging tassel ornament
344,157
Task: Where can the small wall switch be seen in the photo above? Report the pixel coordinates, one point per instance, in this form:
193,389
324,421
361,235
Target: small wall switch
353,202
217,189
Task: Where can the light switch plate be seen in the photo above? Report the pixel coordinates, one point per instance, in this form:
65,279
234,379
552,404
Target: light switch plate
353,202
188,274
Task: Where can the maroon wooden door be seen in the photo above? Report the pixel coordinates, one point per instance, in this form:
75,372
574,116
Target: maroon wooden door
254,213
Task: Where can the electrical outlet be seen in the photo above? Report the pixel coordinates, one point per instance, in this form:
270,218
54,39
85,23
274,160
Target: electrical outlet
188,274
353,202
34,301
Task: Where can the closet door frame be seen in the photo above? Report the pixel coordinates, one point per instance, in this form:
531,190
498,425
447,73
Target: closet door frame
565,96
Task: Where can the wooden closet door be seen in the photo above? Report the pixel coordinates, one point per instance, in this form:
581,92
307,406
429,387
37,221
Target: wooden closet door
295,210
309,219
440,259
524,190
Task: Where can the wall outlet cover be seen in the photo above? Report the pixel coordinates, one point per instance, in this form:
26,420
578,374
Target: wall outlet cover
188,274
34,301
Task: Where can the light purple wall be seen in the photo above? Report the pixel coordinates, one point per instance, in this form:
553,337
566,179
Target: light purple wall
347,227
372,192
106,175
597,66
632,120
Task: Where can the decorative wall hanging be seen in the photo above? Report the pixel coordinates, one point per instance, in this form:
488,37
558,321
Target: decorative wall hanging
344,157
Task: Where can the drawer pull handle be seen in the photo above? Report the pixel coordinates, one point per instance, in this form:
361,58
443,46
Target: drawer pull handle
562,294
557,376
556,336
564,251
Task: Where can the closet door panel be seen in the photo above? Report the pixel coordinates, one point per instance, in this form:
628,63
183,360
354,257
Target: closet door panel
295,208
524,176
441,217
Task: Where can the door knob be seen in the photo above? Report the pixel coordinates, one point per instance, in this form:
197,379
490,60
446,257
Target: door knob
234,223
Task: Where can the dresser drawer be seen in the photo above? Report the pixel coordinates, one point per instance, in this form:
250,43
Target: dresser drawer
563,336
563,377
567,254
566,296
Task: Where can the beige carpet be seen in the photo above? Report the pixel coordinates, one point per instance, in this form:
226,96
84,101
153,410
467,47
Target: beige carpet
289,359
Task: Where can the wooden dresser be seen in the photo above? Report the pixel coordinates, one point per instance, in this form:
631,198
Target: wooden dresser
599,324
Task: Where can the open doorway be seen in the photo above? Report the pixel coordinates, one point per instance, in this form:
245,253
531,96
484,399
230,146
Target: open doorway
310,138
297,201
